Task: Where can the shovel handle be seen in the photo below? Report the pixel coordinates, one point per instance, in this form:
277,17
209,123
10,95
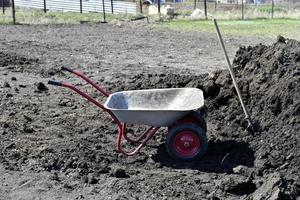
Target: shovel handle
247,116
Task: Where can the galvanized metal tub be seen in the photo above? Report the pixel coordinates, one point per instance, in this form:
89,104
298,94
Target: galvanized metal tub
154,107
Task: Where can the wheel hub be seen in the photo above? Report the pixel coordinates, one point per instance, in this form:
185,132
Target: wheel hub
186,143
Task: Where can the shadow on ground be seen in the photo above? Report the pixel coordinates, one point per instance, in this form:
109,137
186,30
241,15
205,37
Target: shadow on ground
221,156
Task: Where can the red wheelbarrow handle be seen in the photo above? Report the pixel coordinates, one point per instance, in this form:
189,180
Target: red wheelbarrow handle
122,133
88,97
53,82
64,68
88,80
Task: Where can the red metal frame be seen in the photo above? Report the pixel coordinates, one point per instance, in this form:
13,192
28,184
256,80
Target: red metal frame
142,139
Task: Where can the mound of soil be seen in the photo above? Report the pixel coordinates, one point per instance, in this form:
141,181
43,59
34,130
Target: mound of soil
76,146
269,80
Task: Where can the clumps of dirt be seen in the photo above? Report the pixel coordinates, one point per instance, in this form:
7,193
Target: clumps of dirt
9,58
238,165
41,87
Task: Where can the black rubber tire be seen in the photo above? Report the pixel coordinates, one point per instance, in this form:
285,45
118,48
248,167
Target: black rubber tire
201,134
198,118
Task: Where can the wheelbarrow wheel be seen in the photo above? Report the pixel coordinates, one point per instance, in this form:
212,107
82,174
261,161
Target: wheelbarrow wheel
186,142
192,117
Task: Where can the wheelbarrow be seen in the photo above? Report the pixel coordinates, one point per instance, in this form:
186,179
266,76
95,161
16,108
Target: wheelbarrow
172,108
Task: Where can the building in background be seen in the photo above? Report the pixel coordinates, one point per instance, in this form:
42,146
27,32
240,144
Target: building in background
235,1
257,1
5,2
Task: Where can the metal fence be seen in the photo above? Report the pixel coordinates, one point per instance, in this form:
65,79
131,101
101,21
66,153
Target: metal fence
241,9
79,6
237,9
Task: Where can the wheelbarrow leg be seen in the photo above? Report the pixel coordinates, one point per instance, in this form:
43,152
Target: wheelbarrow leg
139,138
150,133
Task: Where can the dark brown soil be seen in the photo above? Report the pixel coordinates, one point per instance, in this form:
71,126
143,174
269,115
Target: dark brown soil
55,145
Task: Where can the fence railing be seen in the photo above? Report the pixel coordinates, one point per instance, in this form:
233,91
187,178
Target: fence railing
76,6
240,9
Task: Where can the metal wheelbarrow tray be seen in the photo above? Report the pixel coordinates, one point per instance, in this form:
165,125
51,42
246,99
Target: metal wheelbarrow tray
173,108
154,107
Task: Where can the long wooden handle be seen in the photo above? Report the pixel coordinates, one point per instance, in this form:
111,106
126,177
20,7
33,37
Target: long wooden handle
231,71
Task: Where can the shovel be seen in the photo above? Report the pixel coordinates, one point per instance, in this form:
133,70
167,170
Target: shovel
252,128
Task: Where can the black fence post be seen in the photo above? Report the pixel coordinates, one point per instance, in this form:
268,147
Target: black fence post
242,9
3,9
112,6
80,6
45,7
158,6
195,4
141,6
215,5
272,9
13,11
205,9
103,9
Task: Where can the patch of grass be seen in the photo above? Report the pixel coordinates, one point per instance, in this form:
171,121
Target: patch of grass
33,16
257,13
259,27
268,9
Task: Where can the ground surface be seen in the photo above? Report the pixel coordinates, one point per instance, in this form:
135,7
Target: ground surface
54,145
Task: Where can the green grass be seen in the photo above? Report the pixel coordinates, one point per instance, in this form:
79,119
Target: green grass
252,27
268,9
31,16
257,27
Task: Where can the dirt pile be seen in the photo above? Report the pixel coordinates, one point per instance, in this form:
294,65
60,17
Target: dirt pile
75,143
269,78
